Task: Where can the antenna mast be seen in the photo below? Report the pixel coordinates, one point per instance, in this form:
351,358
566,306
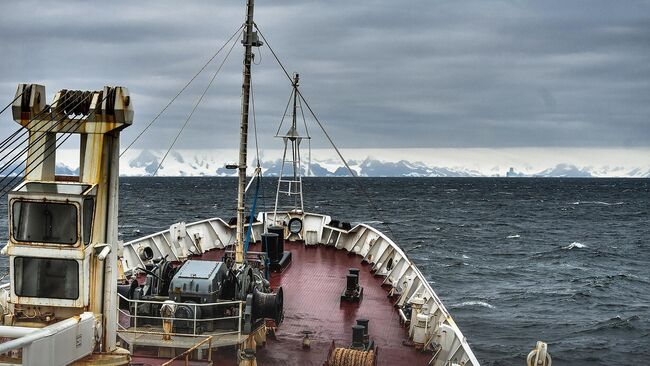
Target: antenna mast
290,186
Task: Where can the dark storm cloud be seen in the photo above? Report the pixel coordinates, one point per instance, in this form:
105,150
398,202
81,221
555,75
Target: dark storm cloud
380,73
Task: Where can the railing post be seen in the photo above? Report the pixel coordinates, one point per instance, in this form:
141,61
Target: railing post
239,323
210,349
135,318
194,331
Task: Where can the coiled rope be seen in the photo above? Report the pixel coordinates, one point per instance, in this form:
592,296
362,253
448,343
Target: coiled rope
351,357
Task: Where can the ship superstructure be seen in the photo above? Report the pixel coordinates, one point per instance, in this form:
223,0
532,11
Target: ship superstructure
63,245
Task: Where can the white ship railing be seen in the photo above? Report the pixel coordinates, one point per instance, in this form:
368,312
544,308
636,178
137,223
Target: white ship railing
387,259
195,321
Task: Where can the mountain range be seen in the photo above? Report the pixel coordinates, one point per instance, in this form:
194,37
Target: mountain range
387,163
205,163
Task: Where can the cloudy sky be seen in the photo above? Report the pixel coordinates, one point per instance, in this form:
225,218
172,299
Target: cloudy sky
400,74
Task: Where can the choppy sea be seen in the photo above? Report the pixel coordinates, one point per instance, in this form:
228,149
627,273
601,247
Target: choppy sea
566,261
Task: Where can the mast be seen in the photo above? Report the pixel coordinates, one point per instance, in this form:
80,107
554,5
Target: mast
289,189
296,77
248,41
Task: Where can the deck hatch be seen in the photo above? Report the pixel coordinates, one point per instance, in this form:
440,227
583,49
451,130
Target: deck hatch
198,269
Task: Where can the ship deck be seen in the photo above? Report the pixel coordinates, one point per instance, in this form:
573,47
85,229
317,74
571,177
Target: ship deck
312,286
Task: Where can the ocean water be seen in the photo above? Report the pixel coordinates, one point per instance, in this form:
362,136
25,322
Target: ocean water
566,261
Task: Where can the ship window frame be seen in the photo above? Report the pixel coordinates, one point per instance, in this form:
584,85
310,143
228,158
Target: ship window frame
88,219
21,268
14,227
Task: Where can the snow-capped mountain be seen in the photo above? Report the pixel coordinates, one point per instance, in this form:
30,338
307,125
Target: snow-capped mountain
524,162
389,164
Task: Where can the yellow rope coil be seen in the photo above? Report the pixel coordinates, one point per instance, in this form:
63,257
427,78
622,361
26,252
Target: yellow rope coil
352,357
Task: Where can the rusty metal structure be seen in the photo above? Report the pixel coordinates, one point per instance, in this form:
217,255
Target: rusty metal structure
63,245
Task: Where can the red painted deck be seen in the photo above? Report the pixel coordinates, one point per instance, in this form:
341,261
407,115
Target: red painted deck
312,286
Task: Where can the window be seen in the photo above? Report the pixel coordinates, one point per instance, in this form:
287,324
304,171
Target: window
89,208
46,277
44,222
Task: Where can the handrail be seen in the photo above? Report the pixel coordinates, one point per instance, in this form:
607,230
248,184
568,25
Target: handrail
186,354
230,302
208,338
194,320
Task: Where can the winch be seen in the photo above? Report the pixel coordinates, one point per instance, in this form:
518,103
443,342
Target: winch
203,293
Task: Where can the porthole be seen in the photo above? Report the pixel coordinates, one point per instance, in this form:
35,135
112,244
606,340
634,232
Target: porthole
295,225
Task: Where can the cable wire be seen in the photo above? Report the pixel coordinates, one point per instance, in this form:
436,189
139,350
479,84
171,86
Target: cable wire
194,108
31,144
13,101
307,105
284,115
361,186
257,147
180,92
36,118
304,122
69,132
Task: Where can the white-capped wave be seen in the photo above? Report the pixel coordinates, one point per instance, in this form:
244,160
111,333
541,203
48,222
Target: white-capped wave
597,203
474,303
575,244
465,257
515,236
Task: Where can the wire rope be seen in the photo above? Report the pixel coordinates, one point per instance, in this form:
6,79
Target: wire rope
69,132
180,92
31,144
304,122
307,105
284,115
13,101
194,109
257,147
311,111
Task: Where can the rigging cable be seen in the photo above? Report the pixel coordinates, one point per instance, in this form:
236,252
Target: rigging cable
28,165
307,105
49,148
13,101
284,115
257,176
257,147
258,168
361,186
20,154
181,91
6,143
194,108
21,139
10,138
304,121
39,138
37,119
